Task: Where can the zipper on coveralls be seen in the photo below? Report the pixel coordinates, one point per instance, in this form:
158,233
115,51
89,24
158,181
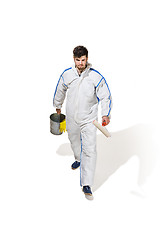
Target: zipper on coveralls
76,104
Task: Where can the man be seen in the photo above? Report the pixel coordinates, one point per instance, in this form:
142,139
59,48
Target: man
85,87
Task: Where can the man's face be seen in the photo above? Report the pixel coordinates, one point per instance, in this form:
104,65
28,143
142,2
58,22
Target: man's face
81,62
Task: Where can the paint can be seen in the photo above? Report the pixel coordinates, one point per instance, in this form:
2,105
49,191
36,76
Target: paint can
55,120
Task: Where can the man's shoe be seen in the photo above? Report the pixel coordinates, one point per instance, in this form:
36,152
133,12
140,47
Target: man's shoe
75,165
87,190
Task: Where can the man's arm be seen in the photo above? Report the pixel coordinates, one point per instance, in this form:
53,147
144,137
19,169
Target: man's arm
59,95
104,95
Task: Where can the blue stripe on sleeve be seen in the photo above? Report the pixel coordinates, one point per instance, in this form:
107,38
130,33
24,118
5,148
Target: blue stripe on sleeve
92,69
100,82
109,97
57,87
59,81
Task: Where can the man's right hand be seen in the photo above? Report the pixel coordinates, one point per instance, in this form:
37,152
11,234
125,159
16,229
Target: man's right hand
58,111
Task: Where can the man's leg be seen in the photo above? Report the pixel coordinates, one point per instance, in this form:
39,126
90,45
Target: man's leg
74,137
88,154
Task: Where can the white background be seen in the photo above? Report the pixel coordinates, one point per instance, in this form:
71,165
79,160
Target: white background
40,196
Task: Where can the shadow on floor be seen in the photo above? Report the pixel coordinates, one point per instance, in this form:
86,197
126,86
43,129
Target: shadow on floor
113,152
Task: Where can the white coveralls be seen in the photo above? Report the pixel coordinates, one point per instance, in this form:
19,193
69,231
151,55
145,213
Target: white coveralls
83,95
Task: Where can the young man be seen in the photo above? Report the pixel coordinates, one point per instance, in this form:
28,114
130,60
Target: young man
85,87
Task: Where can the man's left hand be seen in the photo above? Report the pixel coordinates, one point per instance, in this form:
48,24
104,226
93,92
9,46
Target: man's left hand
105,120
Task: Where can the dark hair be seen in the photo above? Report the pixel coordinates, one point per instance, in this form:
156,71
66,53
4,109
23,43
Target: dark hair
80,51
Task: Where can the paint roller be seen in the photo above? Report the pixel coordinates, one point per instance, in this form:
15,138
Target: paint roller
102,129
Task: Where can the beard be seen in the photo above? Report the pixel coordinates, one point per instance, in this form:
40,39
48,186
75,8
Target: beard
81,67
